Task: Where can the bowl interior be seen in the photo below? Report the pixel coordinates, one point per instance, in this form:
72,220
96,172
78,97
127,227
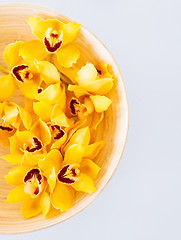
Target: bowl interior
13,27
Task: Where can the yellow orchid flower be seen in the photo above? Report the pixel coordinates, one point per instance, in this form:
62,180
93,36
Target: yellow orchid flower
53,94
65,176
28,147
81,107
55,37
13,117
30,188
91,82
27,75
48,112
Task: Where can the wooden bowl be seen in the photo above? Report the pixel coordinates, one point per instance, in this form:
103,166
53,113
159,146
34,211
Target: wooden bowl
13,27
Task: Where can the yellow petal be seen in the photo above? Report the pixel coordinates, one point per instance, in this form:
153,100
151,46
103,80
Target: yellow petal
70,31
62,98
59,117
4,138
13,158
49,73
40,26
78,90
28,89
52,159
51,94
100,86
7,87
53,212
16,175
101,103
74,154
17,141
52,178
68,55
45,203
89,105
42,131
84,184
68,72
93,120
33,50
11,112
11,53
31,207
86,75
17,195
28,105
25,117
43,110
31,160
89,168
92,150
58,143
81,136
62,197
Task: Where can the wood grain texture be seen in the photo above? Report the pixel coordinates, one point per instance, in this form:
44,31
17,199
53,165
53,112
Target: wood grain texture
13,27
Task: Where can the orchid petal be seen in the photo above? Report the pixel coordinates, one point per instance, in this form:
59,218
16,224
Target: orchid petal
11,53
33,50
62,197
59,117
49,73
81,136
43,110
100,86
41,131
40,26
7,87
31,160
52,160
52,178
17,195
51,94
28,89
16,175
68,55
25,117
101,103
84,184
58,143
31,207
92,150
13,158
45,203
86,75
74,154
70,31
89,168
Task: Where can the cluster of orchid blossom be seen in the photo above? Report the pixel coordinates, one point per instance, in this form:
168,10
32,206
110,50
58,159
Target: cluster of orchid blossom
51,138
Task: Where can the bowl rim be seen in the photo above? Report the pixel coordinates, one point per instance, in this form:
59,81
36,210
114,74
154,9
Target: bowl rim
96,194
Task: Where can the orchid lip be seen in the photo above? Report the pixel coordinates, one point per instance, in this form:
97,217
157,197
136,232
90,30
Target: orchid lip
17,70
31,173
68,174
33,181
37,145
60,132
9,129
73,104
53,41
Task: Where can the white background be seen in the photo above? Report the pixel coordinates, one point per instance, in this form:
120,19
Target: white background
143,199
